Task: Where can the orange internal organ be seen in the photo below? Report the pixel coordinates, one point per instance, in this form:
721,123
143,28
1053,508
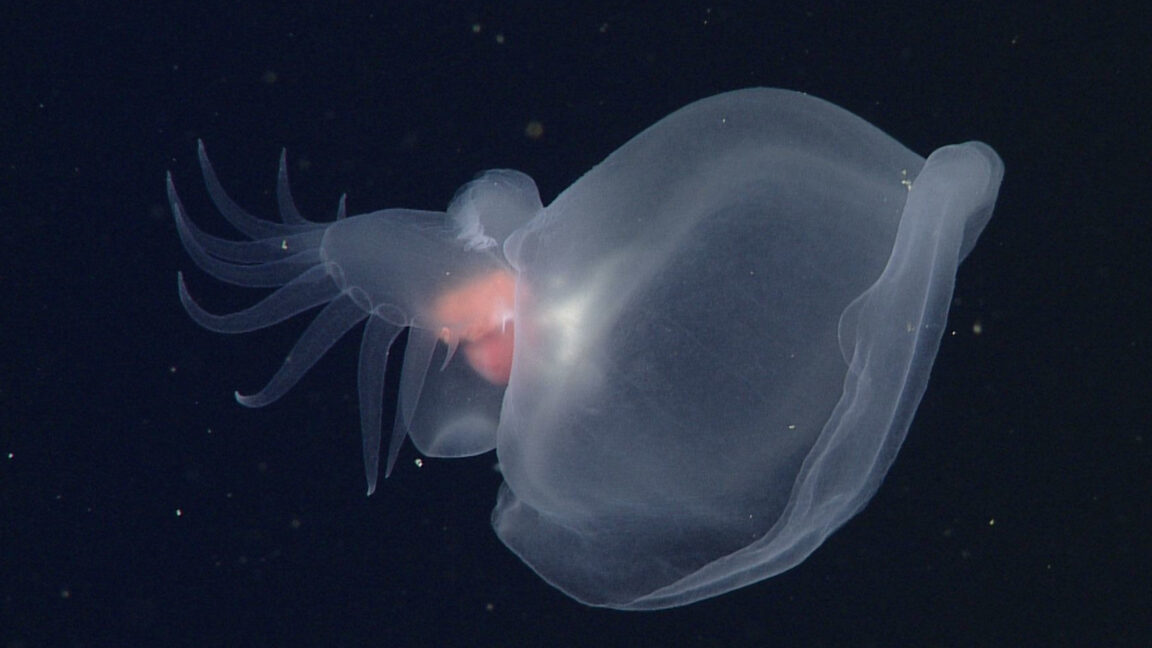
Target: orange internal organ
478,314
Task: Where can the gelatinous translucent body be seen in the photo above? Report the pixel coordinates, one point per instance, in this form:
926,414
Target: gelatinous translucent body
695,364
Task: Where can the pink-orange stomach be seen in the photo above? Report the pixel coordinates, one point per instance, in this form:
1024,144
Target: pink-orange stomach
478,314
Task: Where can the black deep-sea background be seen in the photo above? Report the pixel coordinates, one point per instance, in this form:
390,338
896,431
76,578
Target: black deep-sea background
141,506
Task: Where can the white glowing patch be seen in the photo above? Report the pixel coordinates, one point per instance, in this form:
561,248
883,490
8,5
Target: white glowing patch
568,321
576,322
